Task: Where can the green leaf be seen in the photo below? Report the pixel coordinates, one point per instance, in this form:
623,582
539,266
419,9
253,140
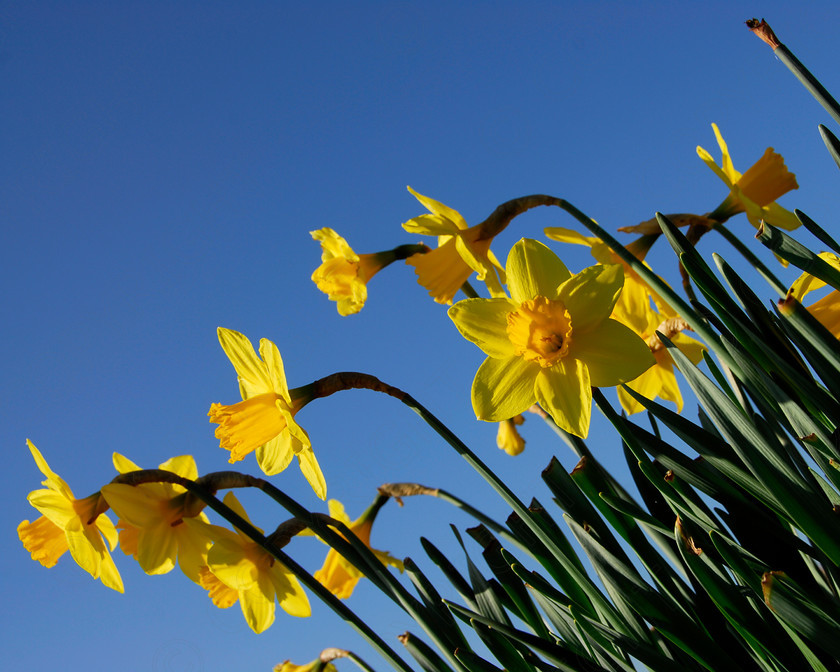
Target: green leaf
797,254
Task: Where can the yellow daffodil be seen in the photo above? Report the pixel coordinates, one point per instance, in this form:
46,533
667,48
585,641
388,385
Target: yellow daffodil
551,341
337,574
343,275
461,250
259,580
827,309
755,191
508,439
659,380
264,420
79,525
157,519
636,291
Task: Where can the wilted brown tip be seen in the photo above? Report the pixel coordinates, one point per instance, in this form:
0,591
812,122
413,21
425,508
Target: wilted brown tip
328,655
398,490
764,31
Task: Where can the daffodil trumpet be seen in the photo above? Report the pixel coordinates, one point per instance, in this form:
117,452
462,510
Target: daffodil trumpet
343,274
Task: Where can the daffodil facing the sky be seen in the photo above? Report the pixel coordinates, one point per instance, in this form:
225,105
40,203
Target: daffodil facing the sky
827,309
79,525
551,341
264,421
241,565
755,191
343,275
337,574
461,251
157,520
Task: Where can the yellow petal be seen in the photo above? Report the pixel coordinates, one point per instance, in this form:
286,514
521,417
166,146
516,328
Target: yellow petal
565,393
183,465
44,540
590,296
503,388
276,454
157,548
484,322
312,472
257,604
290,594
612,353
439,208
431,225
123,465
253,375
534,270
53,505
54,481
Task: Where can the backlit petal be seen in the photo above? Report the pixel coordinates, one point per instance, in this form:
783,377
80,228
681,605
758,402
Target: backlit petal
312,472
257,604
484,322
590,296
565,393
503,388
534,270
253,376
274,364
612,353
439,208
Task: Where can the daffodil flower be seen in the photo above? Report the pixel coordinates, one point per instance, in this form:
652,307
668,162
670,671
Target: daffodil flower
461,250
551,341
508,438
79,525
755,191
157,520
258,579
264,420
659,380
827,309
337,574
343,275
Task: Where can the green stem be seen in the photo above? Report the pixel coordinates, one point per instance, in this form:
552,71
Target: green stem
745,252
355,551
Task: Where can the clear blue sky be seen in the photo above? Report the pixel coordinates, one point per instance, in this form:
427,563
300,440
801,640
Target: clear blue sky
162,166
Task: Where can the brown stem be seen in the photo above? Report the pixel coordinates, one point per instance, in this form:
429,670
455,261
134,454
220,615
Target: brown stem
502,216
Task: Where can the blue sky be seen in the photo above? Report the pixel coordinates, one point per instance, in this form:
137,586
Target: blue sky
163,165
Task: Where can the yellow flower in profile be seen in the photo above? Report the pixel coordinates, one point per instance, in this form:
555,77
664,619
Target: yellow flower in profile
337,574
827,309
157,520
343,275
79,525
461,250
258,579
508,438
551,342
264,420
755,191
659,380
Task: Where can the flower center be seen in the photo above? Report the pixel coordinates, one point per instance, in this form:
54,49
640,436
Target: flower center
540,330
